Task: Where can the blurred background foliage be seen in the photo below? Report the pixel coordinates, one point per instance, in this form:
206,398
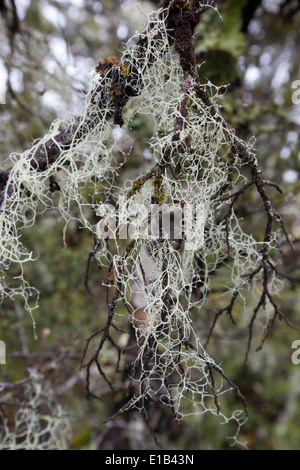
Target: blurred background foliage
47,51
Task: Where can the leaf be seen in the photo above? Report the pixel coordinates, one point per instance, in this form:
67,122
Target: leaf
111,275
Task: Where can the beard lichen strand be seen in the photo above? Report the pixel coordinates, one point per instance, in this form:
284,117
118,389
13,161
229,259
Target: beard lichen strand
171,366
39,422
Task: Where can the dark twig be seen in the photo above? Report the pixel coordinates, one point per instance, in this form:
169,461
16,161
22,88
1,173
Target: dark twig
228,310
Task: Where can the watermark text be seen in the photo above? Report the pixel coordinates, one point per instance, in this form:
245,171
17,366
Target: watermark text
296,94
296,354
155,221
2,353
